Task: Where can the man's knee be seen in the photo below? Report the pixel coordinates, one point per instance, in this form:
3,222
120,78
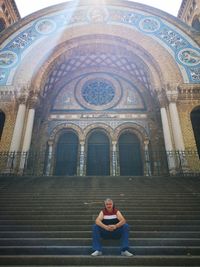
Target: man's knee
125,227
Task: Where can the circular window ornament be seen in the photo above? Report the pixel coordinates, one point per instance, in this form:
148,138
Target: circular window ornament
97,15
45,26
8,59
189,57
149,24
98,92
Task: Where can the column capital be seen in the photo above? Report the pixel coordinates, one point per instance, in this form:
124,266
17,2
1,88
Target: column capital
22,99
162,98
82,142
146,142
22,91
172,92
33,100
50,143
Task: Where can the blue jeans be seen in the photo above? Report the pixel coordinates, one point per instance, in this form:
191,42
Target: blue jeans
120,233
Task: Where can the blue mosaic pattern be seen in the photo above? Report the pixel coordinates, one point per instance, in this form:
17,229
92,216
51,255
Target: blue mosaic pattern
98,92
182,48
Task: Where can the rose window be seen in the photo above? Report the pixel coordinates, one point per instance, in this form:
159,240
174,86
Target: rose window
98,92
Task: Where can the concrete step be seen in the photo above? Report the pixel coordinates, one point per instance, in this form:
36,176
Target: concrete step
121,196
95,266
97,195
81,241
87,212
77,260
92,266
135,222
80,217
88,234
88,227
86,250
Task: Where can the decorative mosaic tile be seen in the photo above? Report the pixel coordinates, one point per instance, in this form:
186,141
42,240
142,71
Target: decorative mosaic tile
182,48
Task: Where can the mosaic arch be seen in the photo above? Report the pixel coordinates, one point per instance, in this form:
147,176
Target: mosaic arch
134,128
65,126
183,49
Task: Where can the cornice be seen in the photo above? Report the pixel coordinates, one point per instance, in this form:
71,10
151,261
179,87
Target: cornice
189,92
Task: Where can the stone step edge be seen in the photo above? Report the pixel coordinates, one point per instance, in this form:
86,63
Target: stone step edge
90,239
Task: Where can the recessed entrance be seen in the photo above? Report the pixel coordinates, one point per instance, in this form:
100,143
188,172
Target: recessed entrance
130,155
98,154
195,118
66,154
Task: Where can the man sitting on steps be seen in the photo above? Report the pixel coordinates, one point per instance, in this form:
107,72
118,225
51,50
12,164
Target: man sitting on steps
110,224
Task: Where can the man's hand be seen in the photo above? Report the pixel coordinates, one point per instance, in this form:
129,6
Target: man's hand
111,227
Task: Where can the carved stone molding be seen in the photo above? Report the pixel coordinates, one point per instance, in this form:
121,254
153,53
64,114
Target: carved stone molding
7,93
65,126
189,92
134,128
101,126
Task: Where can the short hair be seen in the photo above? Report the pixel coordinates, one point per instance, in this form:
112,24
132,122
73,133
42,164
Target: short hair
108,199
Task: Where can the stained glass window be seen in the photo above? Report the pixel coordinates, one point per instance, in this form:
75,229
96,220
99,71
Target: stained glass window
98,92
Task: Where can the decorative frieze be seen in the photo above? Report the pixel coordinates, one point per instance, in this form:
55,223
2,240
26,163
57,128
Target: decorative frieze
98,116
189,92
7,93
83,124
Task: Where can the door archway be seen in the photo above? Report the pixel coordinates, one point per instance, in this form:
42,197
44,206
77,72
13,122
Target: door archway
66,154
195,118
130,159
98,154
2,122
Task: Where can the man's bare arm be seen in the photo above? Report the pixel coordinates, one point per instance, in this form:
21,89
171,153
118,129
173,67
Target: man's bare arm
99,220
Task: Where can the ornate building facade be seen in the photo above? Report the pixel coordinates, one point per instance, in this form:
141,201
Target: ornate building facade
9,13
190,13
100,88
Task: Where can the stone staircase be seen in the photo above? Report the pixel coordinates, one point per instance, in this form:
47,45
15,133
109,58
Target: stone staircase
47,221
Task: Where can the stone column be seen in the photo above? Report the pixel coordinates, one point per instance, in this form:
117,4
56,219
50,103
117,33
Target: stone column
17,136
49,157
28,132
114,158
147,158
176,130
176,126
82,158
167,134
19,124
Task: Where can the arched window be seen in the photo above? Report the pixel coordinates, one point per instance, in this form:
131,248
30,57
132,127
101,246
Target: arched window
2,25
196,23
195,118
2,122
